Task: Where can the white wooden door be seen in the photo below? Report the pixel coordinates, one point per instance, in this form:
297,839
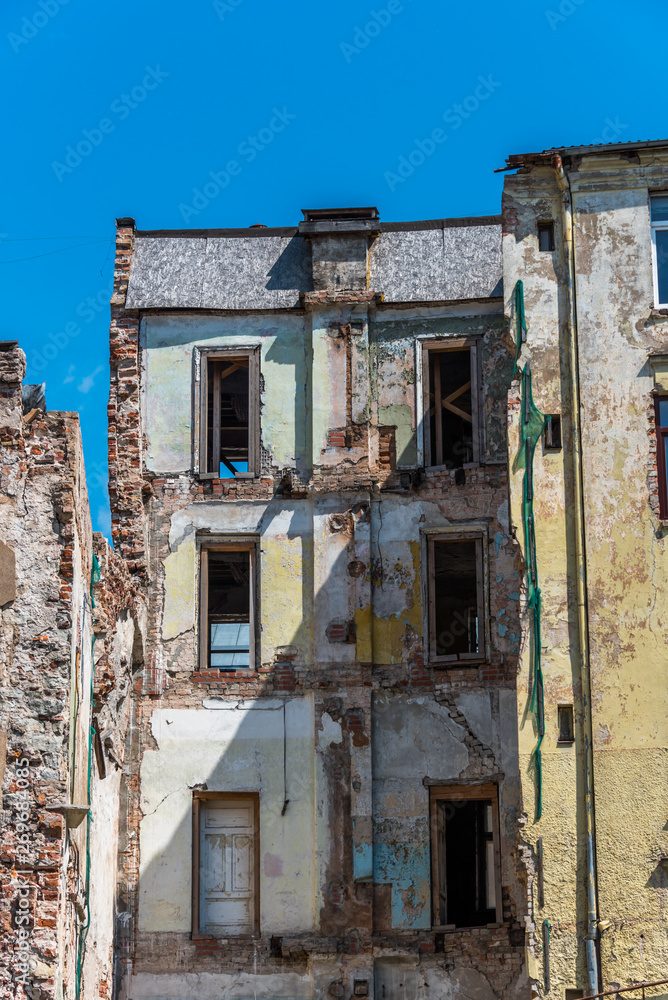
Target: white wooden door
227,861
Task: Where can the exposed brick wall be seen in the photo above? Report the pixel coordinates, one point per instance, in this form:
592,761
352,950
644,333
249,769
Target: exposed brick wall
45,637
124,443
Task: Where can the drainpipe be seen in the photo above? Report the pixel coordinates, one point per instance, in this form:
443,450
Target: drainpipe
581,571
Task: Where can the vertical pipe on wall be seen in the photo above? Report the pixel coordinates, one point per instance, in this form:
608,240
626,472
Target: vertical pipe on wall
581,570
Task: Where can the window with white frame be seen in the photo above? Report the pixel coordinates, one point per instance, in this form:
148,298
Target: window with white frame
451,406
658,205
229,413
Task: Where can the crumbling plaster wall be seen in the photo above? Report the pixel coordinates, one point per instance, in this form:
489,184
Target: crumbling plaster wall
230,746
168,368
617,331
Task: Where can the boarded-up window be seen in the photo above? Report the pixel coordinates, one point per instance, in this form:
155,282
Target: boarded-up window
457,624
450,404
465,856
229,414
225,865
227,591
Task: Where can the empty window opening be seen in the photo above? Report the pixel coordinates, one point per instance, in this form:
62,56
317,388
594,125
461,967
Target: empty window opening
552,433
456,605
450,408
225,866
661,420
546,236
227,608
573,994
464,857
565,723
659,223
228,428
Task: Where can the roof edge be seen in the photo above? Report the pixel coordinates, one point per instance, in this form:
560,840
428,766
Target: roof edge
288,231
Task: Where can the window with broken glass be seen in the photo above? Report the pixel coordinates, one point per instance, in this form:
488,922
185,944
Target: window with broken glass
457,623
229,409
451,404
465,856
227,591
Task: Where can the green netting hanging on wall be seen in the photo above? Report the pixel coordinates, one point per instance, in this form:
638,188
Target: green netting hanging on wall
532,425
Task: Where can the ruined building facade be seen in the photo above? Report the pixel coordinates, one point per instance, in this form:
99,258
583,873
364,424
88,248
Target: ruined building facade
388,508
309,468
70,635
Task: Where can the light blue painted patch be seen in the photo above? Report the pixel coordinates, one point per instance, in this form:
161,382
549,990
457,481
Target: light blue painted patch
362,861
514,641
498,540
499,578
502,629
501,613
515,596
406,868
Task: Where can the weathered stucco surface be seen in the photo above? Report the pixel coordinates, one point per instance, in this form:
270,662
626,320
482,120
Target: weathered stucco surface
618,330
229,747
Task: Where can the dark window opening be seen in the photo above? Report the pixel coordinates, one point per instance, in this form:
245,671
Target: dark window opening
456,605
661,419
466,890
450,408
228,427
566,724
573,994
553,433
546,237
228,609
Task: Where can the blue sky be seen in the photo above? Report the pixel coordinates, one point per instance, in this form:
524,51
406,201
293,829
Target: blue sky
128,110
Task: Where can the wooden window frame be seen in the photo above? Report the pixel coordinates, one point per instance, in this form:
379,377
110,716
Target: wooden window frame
198,798
441,346
437,793
202,356
654,228
662,471
221,545
454,534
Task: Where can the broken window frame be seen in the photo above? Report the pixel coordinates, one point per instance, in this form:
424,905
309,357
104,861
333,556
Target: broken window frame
463,793
198,798
454,533
222,545
657,226
202,358
442,345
